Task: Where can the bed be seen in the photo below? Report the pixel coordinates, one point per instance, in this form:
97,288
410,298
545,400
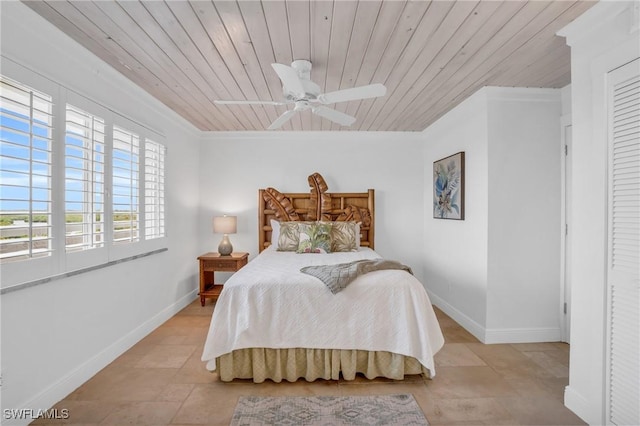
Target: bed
274,322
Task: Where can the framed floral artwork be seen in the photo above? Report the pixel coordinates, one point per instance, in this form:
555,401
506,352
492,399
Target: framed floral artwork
448,187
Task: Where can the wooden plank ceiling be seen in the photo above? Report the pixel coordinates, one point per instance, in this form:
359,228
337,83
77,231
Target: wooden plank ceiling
429,55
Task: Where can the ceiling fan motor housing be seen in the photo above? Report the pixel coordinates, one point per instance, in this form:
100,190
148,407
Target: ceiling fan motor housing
311,89
303,68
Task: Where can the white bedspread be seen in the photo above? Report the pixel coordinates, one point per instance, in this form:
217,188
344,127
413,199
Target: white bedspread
270,304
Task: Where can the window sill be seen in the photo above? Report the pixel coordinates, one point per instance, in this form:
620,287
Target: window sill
37,282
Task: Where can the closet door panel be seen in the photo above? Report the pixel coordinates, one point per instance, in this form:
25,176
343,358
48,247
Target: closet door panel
623,345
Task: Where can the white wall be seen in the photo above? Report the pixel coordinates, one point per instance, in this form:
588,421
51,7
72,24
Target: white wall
565,94
235,165
523,297
498,272
455,251
602,39
58,334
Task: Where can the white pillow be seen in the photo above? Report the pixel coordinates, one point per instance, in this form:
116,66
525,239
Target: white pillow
275,232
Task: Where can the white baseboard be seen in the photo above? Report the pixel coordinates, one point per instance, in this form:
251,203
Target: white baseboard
522,335
580,406
63,387
497,335
458,316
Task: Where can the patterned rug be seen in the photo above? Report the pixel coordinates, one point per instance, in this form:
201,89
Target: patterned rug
328,410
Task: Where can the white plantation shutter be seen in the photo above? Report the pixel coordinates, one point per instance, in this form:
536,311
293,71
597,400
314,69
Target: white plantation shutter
154,158
84,180
26,123
126,186
623,348
73,179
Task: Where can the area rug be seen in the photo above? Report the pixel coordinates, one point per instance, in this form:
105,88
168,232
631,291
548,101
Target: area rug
328,410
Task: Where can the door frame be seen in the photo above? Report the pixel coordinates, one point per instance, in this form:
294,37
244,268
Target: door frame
565,211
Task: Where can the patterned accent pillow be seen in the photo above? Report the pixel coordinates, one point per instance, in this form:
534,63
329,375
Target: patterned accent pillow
344,236
289,237
315,238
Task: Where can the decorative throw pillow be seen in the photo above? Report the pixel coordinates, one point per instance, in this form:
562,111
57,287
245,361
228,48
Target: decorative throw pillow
289,237
314,238
344,236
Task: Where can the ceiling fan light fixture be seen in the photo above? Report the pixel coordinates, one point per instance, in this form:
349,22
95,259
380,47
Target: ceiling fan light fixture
302,105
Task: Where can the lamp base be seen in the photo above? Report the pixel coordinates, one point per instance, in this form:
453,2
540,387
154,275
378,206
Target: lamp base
225,248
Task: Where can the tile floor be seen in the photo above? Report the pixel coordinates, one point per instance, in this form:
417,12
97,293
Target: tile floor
161,381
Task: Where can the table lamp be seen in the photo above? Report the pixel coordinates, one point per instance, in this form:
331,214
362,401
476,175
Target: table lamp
225,225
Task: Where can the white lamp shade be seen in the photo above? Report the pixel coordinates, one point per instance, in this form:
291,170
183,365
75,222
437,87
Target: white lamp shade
225,224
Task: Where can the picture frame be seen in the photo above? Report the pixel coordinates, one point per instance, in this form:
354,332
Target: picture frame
448,187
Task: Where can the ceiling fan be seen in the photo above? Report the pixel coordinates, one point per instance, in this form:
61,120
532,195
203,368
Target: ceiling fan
298,89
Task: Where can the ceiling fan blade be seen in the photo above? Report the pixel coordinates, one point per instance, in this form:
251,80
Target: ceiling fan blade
290,79
282,119
249,102
356,93
333,115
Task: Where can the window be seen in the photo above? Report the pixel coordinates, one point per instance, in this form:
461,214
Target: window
26,122
80,185
84,180
125,205
154,189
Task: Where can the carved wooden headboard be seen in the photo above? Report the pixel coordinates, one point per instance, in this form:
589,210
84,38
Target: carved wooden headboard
318,204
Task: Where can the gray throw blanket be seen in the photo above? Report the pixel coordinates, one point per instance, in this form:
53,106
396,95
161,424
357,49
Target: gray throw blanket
338,276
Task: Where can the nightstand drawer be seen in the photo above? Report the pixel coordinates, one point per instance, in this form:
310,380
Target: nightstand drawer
229,265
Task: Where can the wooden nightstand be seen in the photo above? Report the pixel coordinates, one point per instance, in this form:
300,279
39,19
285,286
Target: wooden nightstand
212,262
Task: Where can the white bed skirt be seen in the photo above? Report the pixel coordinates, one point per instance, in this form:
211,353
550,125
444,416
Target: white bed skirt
292,364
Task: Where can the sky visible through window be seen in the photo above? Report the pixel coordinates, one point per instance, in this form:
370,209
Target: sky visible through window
84,162
24,162
16,167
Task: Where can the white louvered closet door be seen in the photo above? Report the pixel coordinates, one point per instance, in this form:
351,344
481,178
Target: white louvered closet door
623,346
